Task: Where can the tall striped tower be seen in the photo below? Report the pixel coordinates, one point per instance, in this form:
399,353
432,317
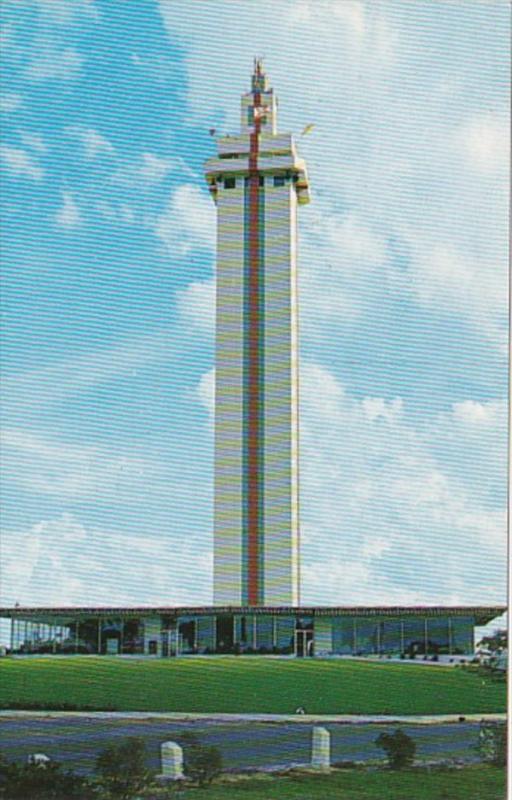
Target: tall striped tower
256,181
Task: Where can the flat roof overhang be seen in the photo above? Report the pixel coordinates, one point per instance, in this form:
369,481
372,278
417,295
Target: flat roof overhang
67,614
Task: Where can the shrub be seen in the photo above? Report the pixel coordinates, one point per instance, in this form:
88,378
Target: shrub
492,742
38,782
202,763
399,748
122,768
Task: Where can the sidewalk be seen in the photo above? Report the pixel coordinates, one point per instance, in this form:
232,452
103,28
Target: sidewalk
176,716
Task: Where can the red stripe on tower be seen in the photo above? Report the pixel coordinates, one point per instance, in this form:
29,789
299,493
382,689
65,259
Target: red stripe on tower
254,477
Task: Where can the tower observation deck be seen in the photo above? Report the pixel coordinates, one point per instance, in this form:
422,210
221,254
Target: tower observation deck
257,181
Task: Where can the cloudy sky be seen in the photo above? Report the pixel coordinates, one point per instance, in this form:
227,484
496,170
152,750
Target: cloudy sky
109,269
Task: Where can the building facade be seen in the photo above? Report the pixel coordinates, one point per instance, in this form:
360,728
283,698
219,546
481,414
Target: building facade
257,182
308,631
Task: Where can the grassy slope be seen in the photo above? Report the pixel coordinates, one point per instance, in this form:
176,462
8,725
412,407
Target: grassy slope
235,685
471,783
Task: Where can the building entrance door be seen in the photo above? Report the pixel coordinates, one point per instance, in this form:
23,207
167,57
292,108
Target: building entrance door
304,643
172,643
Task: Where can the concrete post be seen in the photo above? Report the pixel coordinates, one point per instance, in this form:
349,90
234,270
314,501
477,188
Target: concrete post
172,761
321,748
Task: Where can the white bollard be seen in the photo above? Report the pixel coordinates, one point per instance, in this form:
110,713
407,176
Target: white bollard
321,749
172,761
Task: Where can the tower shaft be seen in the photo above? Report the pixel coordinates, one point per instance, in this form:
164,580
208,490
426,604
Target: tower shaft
256,180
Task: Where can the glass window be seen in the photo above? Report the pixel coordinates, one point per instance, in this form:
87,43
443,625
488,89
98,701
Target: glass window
229,183
279,180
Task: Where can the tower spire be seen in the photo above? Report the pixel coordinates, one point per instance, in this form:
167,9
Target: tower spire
259,78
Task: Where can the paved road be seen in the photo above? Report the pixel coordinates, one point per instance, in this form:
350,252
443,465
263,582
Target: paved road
76,741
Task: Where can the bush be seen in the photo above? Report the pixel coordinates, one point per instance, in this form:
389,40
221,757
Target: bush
122,768
399,748
202,763
38,782
492,742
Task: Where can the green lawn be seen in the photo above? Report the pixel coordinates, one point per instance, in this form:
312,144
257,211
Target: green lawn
245,685
470,783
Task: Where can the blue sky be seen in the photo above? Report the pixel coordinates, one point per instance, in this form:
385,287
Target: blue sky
108,299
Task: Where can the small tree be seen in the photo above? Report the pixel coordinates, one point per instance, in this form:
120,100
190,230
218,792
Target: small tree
122,768
42,782
495,642
399,748
202,763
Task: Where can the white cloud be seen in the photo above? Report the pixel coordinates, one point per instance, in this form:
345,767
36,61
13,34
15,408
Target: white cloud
52,385
55,63
206,393
196,305
377,408
19,162
474,413
399,520
34,140
485,141
339,256
60,13
445,277
10,102
326,12
61,561
68,216
94,143
65,470
153,169
388,158
188,222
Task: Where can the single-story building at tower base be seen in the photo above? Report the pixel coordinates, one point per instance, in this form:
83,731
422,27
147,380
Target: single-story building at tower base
300,631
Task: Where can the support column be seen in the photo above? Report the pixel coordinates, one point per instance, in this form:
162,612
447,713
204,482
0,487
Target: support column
99,636
426,637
